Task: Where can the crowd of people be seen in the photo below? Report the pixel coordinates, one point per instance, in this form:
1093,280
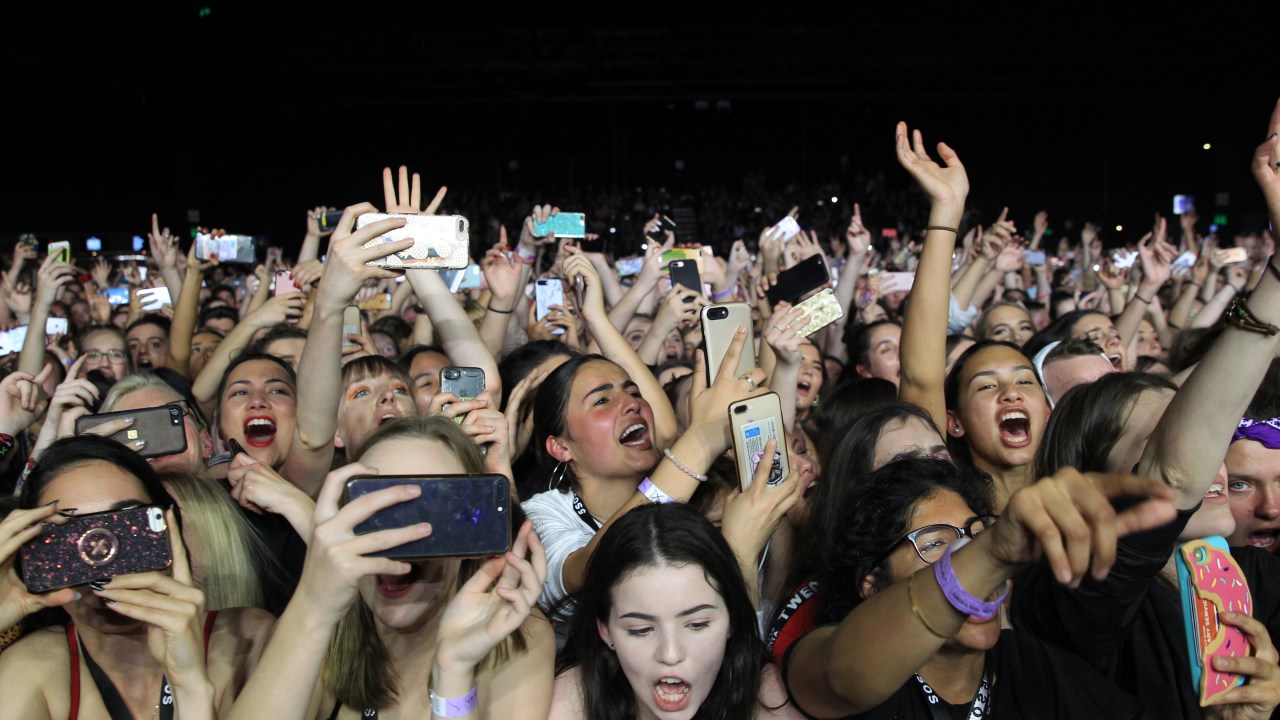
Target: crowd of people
992,456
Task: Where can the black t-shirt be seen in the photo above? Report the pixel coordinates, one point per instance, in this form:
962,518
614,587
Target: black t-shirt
1029,679
279,573
1129,627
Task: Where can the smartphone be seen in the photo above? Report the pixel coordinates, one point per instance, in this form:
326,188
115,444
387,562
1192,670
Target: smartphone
821,309
60,250
548,292
138,243
564,225
1230,256
1183,204
796,282
439,241
118,295
228,248
350,324
1124,259
1033,257
377,301
464,279
465,382
97,546
55,326
629,266
12,340
153,298
30,240
1210,582
592,245
786,229
754,423
719,323
1184,263
685,274
329,220
470,515
284,283
161,427
93,244
659,233
896,282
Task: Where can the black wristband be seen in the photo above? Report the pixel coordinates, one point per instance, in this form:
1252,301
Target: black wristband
491,308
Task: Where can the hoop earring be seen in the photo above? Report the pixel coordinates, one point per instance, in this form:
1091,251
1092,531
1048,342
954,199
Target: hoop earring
557,475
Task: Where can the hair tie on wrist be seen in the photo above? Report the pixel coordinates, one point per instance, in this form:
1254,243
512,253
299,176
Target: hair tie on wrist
942,227
491,308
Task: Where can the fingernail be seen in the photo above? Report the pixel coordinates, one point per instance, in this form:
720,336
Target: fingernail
99,584
424,528
77,595
108,601
67,512
1064,576
128,419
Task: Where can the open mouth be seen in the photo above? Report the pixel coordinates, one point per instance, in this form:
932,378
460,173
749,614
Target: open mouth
671,694
1266,538
259,431
394,586
636,436
1015,428
387,417
803,387
1117,362
1215,495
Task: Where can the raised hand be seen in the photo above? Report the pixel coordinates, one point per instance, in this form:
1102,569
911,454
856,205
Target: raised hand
346,268
164,246
52,277
22,400
409,198
857,236
998,236
781,332
577,265
501,272
1009,259
1157,257
751,516
314,215
519,412
944,184
1266,165
1259,696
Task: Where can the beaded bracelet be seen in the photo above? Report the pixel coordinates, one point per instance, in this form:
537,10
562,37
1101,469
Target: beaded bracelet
1239,315
682,467
960,598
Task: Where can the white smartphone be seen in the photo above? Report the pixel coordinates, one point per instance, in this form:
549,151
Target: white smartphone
153,298
439,241
1123,260
786,228
55,326
755,422
548,292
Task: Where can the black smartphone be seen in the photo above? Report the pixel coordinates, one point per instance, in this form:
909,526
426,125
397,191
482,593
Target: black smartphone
659,234
465,382
161,427
592,244
685,274
794,283
470,515
329,220
98,546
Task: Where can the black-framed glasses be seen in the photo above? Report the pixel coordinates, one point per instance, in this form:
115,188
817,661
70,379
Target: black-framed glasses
930,542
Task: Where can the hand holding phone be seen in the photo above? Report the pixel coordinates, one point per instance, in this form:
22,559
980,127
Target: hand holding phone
754,423
469,515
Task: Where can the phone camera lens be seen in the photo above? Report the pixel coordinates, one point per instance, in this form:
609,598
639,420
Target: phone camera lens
462,225
451,375
739,409
718,313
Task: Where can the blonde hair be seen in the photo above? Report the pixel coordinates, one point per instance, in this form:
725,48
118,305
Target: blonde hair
357,668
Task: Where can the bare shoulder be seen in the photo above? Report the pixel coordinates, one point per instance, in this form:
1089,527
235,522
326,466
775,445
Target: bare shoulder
566,697
520,687
35,673
773,702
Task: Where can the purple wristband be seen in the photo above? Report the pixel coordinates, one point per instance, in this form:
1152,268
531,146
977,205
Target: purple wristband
653,492
724,293
453,707
959,598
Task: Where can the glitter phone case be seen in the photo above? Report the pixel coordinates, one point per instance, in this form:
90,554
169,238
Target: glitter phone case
470,515
564,225
161,427
822,310
1210,582
93,547
439,241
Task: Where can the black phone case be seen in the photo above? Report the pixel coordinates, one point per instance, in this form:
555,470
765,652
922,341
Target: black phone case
685,274
93,547
659,234
161,427
470,515
793,284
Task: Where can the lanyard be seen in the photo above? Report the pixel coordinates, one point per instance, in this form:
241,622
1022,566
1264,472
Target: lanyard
111,696
977,710
583,515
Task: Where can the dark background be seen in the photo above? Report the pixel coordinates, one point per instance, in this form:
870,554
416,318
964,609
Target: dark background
249,116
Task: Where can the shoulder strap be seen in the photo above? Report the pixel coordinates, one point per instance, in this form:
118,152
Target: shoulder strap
73,651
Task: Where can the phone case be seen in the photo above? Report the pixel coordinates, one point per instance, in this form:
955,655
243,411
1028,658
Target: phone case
1210,582
659,233
284,283
548,292
564,225
787,228
822,310
629,266
439,241
61,250
755,422
719,323
685,274
693,254
465,382
378,301
796,282
118,295
229,248
470,515
161,427
93,547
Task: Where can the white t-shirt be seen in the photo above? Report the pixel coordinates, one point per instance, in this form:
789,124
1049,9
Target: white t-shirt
562,532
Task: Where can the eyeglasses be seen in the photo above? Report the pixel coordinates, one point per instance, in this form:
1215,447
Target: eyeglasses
931,541
111,355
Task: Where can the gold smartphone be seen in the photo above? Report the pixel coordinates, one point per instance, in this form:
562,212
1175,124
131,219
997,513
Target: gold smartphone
756,421
439,241
719,323
821,309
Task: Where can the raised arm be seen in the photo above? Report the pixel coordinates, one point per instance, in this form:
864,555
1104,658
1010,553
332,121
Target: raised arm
643,286
858,240
278,309
1187,447
1157,257
454,331
164,248
315,235
185,311
924,328
320,368
51,277
503,274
